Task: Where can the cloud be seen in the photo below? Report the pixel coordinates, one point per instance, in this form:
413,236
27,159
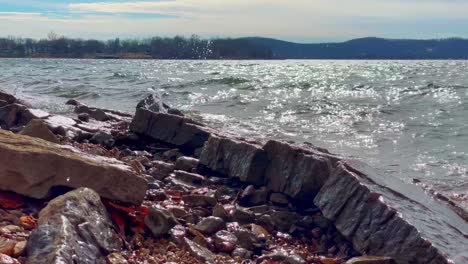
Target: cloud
303,20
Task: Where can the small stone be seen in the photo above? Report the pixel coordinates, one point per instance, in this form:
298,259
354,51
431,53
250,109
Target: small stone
247,239
5,259
19,249
242,253
189,178
316,232
177,211
83,117
371,260
252,197
116,258
225,241
201,253
37,128
199,200
186,164
283,257
103,139
210,225
160,170
279,199
220,211
160,221
284,220
242,216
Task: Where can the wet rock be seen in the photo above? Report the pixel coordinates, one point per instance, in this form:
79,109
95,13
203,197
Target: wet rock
36,166
252,197
116,258
279,199
283,257
102,138
219,211
242,253
83,117
371,260
201,253
38,129
95,113
368,222
10,99
242,216
73,228
160,221
3,103
190,178
10,115
5,259
171,129
225,241
29,114
153,102
210,225
186,164
199,200
234,158
296,172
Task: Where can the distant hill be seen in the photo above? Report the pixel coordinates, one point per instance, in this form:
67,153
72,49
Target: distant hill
196,48
368,48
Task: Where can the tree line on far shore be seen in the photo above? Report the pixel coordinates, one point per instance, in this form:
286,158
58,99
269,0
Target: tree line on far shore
178,47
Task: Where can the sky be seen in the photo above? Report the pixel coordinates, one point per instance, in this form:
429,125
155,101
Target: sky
293,20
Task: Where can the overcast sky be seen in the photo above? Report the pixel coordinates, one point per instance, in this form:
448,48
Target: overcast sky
295,20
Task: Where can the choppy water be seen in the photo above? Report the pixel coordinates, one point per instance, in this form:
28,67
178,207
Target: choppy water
409,118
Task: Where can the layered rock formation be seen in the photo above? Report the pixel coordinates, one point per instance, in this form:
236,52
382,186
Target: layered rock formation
35,166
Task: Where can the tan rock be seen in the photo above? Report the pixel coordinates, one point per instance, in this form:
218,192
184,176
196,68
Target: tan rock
37,128
35,166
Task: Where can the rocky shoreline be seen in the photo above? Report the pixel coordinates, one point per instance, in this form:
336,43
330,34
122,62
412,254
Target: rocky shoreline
159,187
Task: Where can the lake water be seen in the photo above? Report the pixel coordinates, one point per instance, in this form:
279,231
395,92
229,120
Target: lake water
408,118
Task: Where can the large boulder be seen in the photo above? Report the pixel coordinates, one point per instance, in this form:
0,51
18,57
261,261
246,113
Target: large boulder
73,228
235,158
35,166
361,207
172,129
10,115
296,172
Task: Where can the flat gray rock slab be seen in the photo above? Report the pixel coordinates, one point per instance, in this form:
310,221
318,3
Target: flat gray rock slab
371,211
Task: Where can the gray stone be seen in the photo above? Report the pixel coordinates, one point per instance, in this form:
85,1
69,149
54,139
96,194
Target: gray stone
186,164
284,220
83,117
234,158
190,178
102,138
199,200
201,253
246,239
160,169
242,216
279,199
172,129
242,253
95,113
252,197
283,257
29,114
160,221
220,211
210,225
73,228
10,115
153,102
10,99
371,260
38,129
296,172
368,222
225,241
